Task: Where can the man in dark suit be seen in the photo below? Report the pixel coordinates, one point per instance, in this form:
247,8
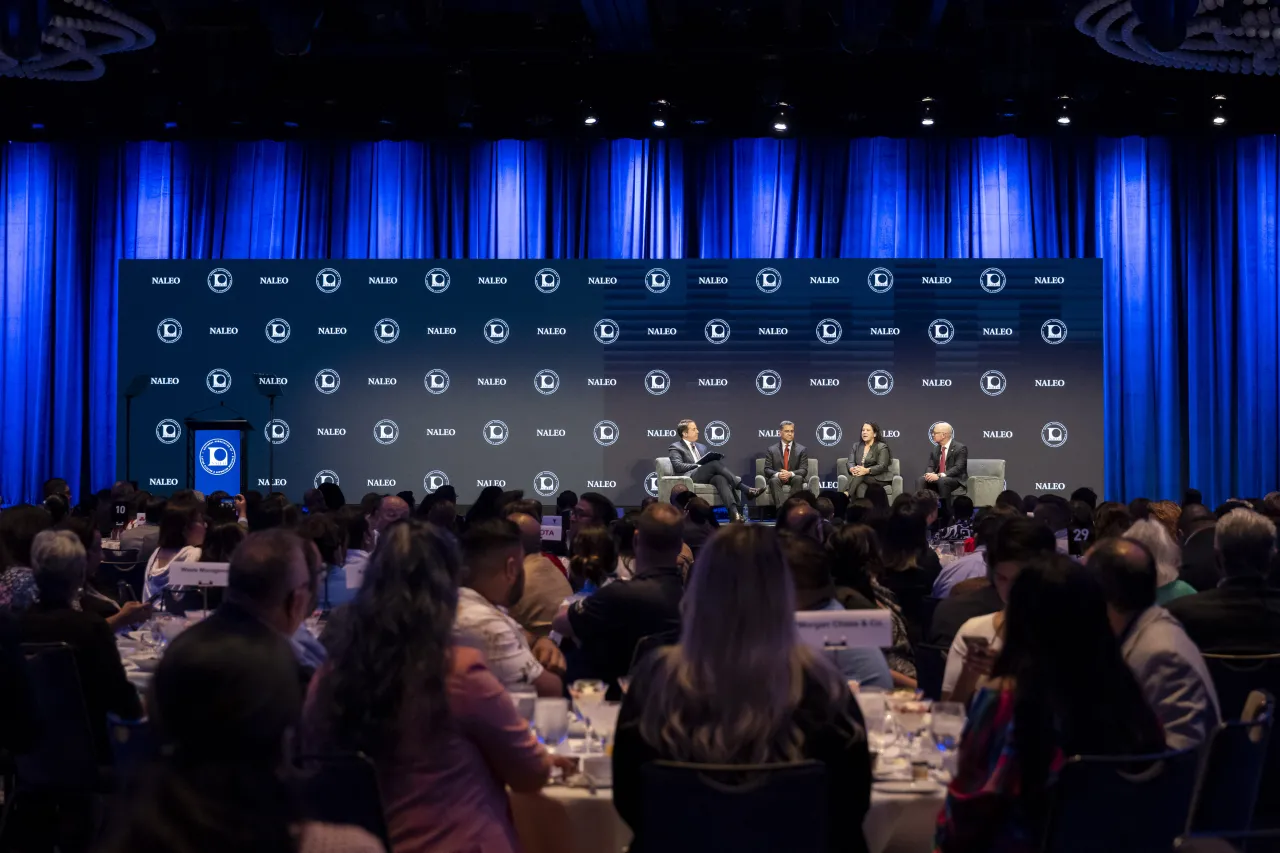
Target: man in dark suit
948,464
686,455
1199,559
785,463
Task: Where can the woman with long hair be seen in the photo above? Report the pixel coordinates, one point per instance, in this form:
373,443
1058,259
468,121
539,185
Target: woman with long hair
1059,688
740,688
909,566
855,563
443,733
869,462
182,531
594,560
223,705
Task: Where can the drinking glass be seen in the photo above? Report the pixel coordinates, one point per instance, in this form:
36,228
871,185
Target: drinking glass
872,702
946,724
909,711
525,699
587,693
551,721
604,721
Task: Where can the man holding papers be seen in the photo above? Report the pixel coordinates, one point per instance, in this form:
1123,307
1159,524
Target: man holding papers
693,460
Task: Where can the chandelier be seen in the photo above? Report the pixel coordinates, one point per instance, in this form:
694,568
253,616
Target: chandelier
84,32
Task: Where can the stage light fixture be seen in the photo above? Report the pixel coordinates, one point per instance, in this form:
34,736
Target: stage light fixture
170,125
781,120
661,111
927,117
590,117
1064,110
1219,110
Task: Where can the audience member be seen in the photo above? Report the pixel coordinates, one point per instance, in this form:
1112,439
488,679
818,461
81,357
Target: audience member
329,536
973,564
94,598
144,537
1168,557
334,499
1139,508
444,514
961,526
624,543
1054,513
443,732
1199,559
313,502
1029,504
859,509
566,501
407,497
370,502
680,496
594,560
826,509
390,509
854,551
545,586
878,496
1166,663
740,688
19,526
700,523
273,511
909,565
802,497
1232,504
1111,521
646,500
807,521
1086,496
359,541
1167,513
1080,533
182,532
528,506
488,505
592,510
1009,499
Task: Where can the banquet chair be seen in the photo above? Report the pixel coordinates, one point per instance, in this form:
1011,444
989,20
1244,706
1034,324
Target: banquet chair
1121,803
342,788
1231,772
133,746
650,643
695,808
1252,841
931,665
1234,677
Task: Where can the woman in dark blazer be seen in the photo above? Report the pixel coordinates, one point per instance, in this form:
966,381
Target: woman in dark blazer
869,462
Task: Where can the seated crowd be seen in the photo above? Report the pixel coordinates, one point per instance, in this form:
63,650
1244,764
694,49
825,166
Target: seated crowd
1067,627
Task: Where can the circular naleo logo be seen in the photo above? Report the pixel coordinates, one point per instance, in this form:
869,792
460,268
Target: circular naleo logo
992,280
717,331
546,381
716,433
657,280
496,331
386,331
328,280
606,331
326,476
219,280
168,431
941,331
546,280
386,431
880,280
436,280
828,433
1053,331
880,382
605,433
828,331
217,456
496,432
1053,434
434,480
546,483
993,383
657,382
768,280
327,381
218,381
436,381
278,330
651,485
768,382
276,431
169,330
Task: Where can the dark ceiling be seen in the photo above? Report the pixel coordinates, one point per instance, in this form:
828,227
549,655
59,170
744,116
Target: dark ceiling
422,68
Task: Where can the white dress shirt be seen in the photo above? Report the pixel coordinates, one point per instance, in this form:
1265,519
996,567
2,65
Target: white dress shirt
693,451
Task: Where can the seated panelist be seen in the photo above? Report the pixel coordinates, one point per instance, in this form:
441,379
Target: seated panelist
869,462
687,459
785,463
948,464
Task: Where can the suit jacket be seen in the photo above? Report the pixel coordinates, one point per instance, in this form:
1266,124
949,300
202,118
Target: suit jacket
681,461
1200,561
878,459
773,459
1173,676
957,461
1239,617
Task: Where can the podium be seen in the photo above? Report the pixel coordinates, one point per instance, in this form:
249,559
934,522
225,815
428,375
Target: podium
217,455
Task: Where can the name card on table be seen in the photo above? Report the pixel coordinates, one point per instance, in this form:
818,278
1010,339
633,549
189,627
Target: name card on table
552,528
198,574
827,630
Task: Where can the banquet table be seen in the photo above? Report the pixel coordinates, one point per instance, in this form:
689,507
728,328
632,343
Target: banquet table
561,819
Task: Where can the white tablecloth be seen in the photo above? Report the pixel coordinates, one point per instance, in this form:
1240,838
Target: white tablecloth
573,820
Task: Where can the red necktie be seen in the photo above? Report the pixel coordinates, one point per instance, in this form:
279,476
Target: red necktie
786,457
942,460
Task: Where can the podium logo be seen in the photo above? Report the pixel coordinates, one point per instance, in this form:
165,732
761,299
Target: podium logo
169,330
605,433
546,483
880,382
496,331
992,280
218,381
217,456
546,382
436,381
716,433
328,280
941,332
657,280
326,476
1053,331
768,280
880,280
278,331
219,280
546,280
496,432
386,432
386,331
829,433
434,480
651,485
168,431
717,331
327,381
436,280
657,382
1053,434
828,331
606,331
768,382
276,431
993,383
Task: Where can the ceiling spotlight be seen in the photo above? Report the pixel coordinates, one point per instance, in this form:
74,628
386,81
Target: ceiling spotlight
1064,110
926,112
660,113
1219,110
588,114
782,117
170,125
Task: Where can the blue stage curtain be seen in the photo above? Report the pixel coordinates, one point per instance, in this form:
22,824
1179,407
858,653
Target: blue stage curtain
1187,230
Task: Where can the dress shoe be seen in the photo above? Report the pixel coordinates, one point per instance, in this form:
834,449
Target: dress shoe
736,516
754,492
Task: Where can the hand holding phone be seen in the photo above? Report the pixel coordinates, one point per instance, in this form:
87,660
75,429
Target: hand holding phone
978,655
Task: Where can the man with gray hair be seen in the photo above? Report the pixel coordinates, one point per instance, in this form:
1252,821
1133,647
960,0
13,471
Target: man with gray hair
948,464
785,464
1242,614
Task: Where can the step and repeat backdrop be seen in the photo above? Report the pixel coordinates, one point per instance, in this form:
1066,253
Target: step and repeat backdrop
552,375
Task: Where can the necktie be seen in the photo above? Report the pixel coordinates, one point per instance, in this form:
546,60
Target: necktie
693,451
786,457
942,460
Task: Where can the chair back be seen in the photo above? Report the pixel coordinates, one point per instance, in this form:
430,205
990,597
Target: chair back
928,604
694,808
1121,803
662,464
986,480
1227,787
1236,676
62,758
342,788
133,746
650,643
931,664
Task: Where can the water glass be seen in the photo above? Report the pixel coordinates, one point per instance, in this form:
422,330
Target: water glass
587,693
525,699
909,711
551,721
872,701
604,720
946,724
